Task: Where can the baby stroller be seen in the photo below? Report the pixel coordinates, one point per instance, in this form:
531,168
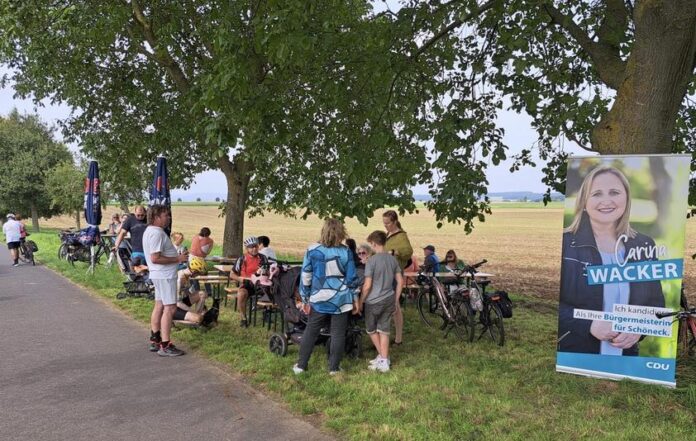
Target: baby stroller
294,322
137,283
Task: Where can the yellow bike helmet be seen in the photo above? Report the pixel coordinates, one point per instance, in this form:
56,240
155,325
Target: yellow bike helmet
198,265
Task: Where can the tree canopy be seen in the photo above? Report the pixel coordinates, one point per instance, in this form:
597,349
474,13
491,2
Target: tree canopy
341,109
65,184
28,153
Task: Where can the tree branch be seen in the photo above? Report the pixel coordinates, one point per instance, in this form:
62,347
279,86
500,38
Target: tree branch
613,28
605,59
454,25
160,55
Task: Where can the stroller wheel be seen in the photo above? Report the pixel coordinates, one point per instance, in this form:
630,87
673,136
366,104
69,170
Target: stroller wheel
121,295
278,345
354,345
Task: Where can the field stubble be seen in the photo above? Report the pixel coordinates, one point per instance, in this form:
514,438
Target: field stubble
522,245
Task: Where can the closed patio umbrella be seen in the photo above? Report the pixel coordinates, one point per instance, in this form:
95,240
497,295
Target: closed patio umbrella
159,192
93,211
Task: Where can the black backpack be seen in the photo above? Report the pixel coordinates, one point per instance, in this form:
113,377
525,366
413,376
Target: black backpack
504,303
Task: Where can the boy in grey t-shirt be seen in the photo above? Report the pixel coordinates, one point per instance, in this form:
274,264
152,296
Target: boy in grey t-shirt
380,297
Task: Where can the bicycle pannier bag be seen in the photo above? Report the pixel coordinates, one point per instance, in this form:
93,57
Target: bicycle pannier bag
32,246
475,299
504,303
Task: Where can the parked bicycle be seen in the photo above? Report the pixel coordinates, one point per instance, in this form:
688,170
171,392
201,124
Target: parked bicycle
450,311
687,324
77,247
27,248
491,313
457,309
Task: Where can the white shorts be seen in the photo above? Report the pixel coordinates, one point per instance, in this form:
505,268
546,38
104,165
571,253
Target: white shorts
165,290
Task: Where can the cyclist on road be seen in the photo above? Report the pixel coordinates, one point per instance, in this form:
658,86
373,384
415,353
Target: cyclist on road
13,236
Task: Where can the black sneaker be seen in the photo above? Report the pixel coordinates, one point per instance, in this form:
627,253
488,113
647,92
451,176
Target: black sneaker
154,345
244,323
169,351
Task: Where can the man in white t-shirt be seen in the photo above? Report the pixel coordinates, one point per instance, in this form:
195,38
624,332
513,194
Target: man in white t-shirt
265,249
162,261
13,234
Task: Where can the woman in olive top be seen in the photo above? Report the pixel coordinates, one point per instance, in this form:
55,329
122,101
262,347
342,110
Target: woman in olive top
398,245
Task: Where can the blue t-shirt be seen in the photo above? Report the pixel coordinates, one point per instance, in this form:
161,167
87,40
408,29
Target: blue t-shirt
432,263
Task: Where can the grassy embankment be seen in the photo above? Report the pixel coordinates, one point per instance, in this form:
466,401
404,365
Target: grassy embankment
438,389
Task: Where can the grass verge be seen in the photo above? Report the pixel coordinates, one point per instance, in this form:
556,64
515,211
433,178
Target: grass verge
439,389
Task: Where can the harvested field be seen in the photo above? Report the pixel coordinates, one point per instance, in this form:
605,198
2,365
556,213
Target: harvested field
522,245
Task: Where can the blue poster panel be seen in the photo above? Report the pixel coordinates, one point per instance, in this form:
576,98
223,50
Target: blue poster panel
622,262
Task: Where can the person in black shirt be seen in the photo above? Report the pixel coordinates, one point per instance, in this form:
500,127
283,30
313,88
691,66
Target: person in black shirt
135,225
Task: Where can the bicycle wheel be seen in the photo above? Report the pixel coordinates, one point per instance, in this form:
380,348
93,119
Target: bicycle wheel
495,324
430,309
22,253
62,251
464,319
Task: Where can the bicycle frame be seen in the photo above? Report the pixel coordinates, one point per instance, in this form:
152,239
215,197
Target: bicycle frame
440,293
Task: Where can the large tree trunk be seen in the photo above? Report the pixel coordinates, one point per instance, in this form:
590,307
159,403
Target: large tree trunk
656,77
238,175
34,218
77,219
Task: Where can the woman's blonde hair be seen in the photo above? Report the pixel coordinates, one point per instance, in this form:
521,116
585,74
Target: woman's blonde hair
176,235
623,225
333,233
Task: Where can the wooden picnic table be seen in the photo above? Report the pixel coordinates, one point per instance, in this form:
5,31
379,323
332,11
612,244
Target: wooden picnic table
224,268
216,282
221,260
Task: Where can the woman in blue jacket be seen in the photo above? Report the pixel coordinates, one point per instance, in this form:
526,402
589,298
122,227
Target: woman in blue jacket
327,287
601,234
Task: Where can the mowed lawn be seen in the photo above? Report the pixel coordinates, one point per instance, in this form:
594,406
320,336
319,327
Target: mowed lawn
522,245
438,389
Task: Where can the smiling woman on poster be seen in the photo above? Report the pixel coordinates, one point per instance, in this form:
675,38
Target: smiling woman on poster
600,234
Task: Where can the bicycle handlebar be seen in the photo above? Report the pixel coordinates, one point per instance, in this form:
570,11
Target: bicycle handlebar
472,268
681,313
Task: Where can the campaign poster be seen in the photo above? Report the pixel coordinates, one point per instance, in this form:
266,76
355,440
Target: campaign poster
622,261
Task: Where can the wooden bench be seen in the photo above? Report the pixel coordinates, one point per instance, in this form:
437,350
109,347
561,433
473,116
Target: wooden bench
231,293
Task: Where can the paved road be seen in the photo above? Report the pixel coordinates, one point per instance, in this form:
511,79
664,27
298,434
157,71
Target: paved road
74,368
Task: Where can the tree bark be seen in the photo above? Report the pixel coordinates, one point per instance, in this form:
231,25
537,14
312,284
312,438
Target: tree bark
237,175
34,218
77,219
655,81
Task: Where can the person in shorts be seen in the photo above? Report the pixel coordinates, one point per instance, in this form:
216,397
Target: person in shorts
245,267
12,229
162,262
190,308
380,297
